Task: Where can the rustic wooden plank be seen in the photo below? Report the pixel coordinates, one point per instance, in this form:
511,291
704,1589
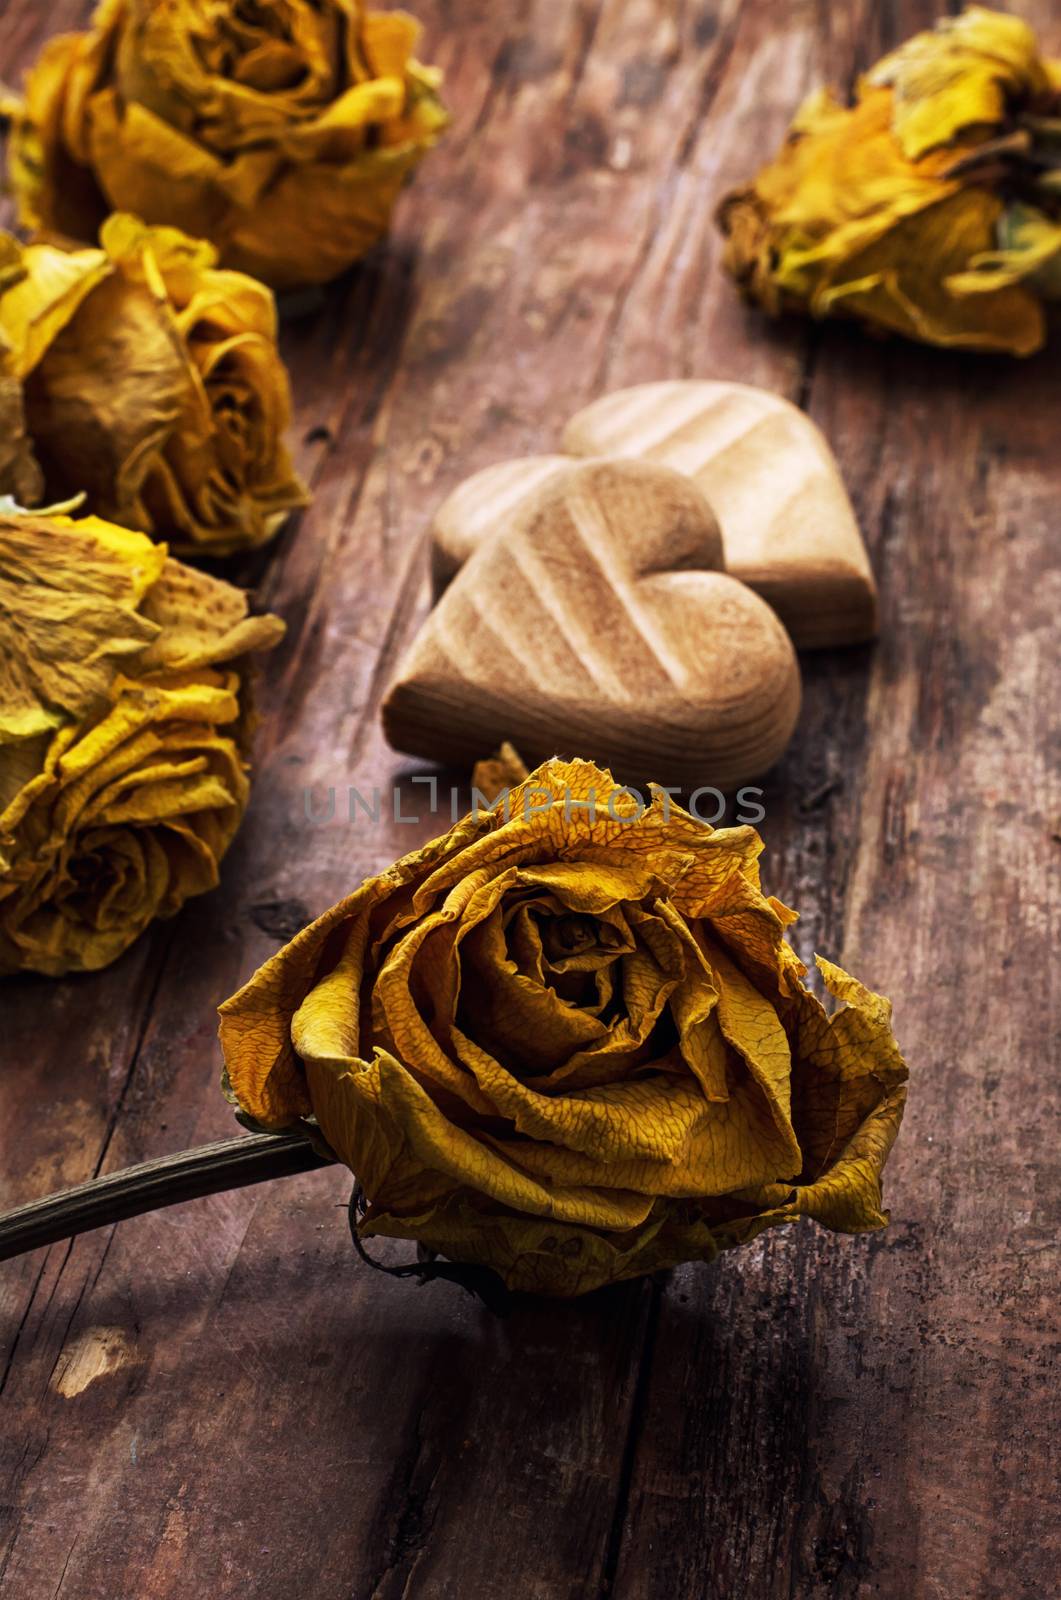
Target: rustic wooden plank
828,1416
338,588
262,1415
874,1418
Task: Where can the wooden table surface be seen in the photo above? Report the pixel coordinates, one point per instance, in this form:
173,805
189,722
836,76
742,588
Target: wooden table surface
219,1400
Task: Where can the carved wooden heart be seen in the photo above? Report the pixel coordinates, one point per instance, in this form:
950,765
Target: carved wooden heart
771,480
601,624
483,505
766,471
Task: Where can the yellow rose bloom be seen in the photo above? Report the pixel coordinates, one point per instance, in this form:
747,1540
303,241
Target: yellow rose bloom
152,384
124,730
283,130
569,1042
930,208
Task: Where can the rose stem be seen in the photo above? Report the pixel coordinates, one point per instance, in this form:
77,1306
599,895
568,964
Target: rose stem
210,1169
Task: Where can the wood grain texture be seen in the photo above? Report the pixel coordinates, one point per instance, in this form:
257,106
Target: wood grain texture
814,1416
603,626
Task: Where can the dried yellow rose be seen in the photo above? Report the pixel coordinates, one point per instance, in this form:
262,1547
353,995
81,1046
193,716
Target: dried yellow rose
124,730
283,130
152,383
573,1045
932,207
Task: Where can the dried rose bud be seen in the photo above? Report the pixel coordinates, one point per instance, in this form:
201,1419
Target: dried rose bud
124,731
568,1041
153,384
932,207
283,132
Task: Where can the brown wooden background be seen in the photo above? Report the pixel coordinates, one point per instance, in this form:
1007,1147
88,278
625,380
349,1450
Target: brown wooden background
218,1400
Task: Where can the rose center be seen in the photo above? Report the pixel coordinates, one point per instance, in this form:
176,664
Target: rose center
567,935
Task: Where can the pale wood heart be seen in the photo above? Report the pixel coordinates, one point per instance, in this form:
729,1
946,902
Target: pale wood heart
601,625
483,505
770,477
768,474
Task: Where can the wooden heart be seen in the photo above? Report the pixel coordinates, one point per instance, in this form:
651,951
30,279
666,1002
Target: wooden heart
770,478
601,624
483,505
787,526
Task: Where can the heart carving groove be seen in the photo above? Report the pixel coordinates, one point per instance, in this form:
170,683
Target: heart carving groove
603,624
